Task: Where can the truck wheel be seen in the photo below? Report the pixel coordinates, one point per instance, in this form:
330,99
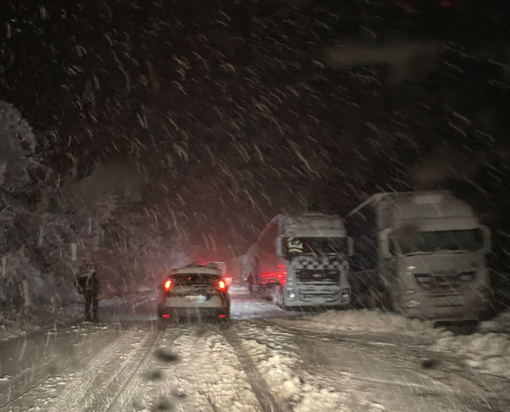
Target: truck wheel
279,298
387,301
370,301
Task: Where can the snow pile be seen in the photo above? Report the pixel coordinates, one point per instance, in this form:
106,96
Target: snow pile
364,321
489,353
111,302
277,361
500,324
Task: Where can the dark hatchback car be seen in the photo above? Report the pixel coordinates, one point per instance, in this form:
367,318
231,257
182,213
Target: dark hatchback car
194,292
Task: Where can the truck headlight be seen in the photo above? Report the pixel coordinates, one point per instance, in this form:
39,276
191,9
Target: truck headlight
345,295
292,296
411,304
467,276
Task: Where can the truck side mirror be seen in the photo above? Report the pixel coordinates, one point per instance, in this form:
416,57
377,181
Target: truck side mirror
384,243
351,247
281,248
487,238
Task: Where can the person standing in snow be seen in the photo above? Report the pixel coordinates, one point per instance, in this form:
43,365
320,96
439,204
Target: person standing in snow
90,288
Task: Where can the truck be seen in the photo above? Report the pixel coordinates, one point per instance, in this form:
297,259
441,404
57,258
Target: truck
302,261
235,269
422,253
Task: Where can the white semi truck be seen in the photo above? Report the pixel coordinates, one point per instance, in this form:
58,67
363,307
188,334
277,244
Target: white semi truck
302,261
423,254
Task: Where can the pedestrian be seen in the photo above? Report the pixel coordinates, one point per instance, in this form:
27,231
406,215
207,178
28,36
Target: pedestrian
90,288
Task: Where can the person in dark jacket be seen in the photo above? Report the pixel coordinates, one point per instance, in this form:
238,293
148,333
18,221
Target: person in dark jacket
90,288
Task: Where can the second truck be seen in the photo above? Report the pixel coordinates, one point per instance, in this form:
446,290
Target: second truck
423,254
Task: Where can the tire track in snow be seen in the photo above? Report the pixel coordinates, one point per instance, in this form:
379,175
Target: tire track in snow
196,370
278,359
258,384
95,387
31,394
442,387
127,388
141,392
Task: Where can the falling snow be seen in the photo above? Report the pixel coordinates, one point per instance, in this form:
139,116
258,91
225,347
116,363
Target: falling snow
139,136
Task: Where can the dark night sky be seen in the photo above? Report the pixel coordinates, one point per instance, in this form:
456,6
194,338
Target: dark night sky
235,114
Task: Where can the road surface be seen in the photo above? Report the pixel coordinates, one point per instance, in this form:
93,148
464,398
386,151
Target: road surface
126,364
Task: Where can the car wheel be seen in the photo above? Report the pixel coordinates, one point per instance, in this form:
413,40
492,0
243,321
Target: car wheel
226,323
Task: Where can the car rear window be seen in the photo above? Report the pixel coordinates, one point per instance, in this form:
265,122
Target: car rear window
192,279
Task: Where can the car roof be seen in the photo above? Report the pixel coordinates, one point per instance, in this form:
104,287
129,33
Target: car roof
196,269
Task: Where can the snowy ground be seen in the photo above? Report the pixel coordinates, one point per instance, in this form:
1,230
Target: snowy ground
488,353
487,350
14,324
269,360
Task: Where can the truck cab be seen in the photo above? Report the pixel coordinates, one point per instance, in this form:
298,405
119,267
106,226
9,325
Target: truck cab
429,255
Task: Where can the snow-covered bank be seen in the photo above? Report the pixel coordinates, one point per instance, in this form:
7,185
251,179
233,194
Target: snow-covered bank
14,324
361,321
500,324
488,353
104,303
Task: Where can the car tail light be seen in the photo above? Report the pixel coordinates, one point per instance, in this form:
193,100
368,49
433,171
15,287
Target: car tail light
222,286
165,316
168,285
222,316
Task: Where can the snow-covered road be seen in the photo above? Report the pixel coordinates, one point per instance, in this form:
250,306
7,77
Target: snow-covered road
267,361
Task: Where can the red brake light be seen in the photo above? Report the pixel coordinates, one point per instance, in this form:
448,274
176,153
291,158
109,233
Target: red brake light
168,285
283,274
166,316
222,286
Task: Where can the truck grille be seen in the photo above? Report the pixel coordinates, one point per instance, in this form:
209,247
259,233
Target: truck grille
444,283
311,275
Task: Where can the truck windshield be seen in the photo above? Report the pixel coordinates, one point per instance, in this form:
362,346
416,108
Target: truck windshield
317,245
448,240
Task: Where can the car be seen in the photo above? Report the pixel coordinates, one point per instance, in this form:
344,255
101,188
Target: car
194,292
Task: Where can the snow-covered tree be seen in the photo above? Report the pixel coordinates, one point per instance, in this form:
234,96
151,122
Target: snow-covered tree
39,221
19,192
